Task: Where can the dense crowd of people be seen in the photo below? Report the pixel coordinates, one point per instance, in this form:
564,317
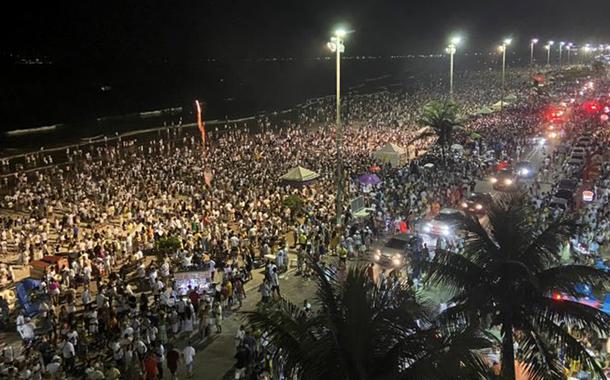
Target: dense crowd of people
118,310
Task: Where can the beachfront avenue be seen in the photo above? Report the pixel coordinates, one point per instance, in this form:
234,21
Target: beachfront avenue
473,243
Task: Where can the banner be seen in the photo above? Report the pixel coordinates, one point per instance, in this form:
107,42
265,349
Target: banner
200,122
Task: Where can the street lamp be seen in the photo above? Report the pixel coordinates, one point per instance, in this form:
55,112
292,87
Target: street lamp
548,52
336,46
502,49
451,49
586,49
560,49
532,43
569,48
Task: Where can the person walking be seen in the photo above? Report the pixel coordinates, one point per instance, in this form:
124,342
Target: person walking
69,355
188,354
173,357
218,317
150,365
275,282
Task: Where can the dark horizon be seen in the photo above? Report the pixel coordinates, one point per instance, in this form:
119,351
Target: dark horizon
152,56
90,34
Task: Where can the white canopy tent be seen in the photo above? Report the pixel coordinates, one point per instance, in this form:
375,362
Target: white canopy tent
499,104
392,154
299,174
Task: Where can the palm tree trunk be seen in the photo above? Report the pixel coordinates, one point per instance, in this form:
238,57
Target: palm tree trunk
508,353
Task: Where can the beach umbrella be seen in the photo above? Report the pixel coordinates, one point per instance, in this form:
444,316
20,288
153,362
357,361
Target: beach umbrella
369,179
457,147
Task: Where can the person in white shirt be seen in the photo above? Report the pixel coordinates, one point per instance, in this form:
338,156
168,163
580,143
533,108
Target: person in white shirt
27,332
20,322
54,367
68,353
239,336
189,355
86,296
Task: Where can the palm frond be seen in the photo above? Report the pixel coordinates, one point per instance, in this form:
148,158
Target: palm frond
564,278
571,313
571,347
540,360
454,271
287,327
545,245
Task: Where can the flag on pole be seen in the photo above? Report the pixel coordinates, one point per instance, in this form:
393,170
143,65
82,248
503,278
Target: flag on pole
200,122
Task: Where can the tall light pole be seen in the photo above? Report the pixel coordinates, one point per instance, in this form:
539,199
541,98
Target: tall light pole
503,47
451,49
336,46
569,48
532,43
548,52
560,49
586,49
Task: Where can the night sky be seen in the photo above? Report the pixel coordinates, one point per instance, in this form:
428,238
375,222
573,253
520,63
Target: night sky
120,31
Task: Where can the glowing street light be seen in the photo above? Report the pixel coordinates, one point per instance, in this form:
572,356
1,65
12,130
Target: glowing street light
548,52
451,49
532,43
502,49
586,49
336,46
569,48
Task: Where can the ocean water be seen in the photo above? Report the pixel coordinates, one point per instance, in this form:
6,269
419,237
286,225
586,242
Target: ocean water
81,101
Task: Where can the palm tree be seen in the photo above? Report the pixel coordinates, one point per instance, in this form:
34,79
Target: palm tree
440,119
507,276
363,332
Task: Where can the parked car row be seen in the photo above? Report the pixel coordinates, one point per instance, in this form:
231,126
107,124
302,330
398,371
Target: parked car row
566,189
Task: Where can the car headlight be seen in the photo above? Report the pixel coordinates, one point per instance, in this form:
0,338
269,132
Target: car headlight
464,204
553,135
508,181
493,180
524,171
478,206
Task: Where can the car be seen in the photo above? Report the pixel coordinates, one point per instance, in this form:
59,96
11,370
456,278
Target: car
567,184
445,223
587,140
576,159
563,199
524,169
476,203
505,180
579,151
386,257
394,250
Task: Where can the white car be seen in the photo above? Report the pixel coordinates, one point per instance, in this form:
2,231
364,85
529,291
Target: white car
444,224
